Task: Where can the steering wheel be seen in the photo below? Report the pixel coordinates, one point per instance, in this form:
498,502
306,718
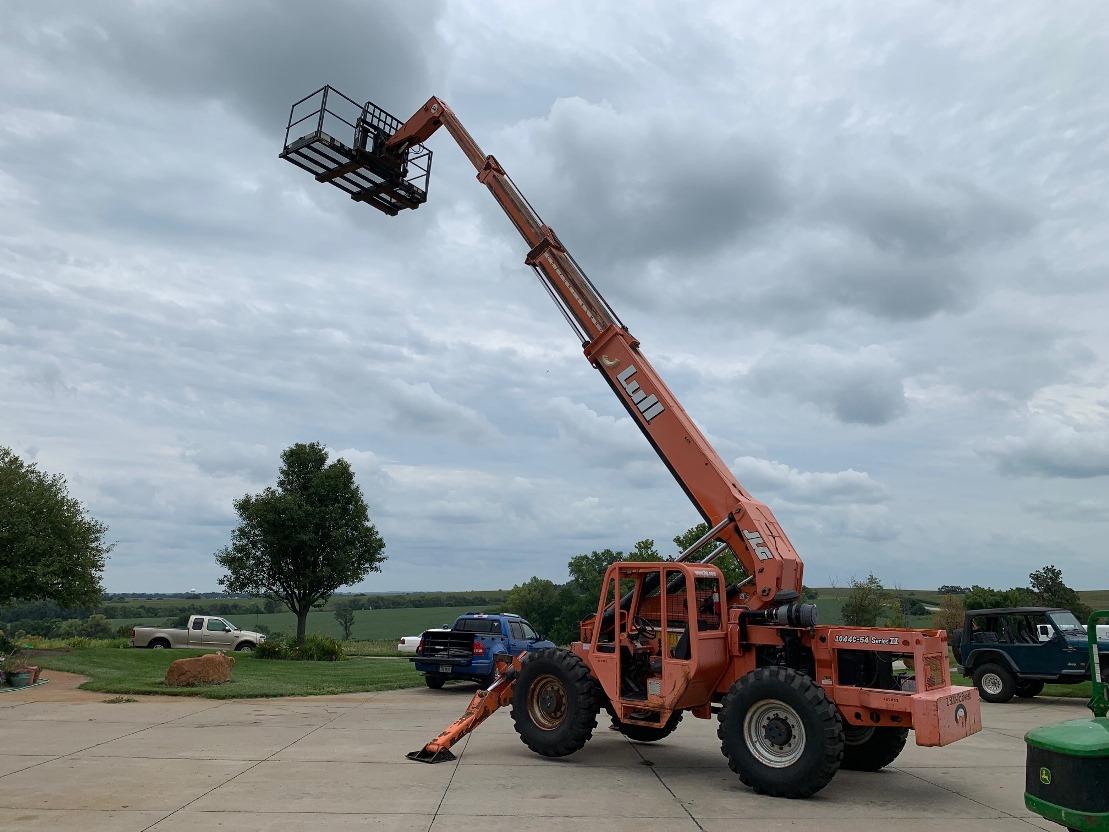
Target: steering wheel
644,630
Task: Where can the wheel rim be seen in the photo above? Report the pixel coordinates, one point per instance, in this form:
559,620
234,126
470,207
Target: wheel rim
547,702
992,684
246,649
774,733
158,646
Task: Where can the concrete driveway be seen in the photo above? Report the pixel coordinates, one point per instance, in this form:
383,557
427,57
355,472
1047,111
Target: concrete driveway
71,761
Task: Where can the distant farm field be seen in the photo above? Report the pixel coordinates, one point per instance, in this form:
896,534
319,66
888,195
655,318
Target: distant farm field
369,625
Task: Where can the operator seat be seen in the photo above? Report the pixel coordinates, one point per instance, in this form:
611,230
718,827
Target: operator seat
681,648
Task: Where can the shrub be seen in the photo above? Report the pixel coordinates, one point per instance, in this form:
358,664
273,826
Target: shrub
272,648
315,649
318,649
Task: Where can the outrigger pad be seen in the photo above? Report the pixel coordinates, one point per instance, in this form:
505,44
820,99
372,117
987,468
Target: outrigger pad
443,755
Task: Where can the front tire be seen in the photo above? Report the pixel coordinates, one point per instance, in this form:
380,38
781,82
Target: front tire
244,647
995,683
435,681
1029,689
871,749
554,703
647,733
780,733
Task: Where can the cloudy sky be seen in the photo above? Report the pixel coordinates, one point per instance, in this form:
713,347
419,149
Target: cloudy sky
867,247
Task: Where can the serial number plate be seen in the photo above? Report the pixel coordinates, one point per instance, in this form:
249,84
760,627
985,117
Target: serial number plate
444,668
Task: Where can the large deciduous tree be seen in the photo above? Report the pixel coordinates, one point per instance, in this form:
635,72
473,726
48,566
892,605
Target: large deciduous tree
50,547
306,538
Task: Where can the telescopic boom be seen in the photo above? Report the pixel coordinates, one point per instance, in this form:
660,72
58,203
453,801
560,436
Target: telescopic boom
384,157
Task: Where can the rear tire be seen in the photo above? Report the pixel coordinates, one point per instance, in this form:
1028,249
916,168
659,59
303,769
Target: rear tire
554,703
158,644
780,733
1029,689
995,683
647,733
871,749
435,681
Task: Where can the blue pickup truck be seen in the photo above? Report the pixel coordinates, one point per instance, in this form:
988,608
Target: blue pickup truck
467,650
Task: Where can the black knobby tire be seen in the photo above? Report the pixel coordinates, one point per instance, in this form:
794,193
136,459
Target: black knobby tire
1029,688
815,734
995,683
434,680
871,749
647,733
554,703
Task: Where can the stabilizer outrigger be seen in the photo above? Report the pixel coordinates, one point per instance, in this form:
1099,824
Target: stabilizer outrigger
483,705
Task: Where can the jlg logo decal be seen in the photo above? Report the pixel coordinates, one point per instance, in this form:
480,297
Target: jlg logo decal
648,405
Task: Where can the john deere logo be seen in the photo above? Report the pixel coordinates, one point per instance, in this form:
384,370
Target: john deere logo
1045,775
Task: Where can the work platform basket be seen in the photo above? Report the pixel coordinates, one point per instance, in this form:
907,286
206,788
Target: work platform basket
342,142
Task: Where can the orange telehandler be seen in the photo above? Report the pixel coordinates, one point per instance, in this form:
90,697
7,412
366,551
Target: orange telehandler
795,701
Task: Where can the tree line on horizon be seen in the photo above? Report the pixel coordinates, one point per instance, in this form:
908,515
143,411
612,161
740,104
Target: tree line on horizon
298,542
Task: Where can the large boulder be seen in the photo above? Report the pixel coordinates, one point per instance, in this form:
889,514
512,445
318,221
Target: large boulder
210,669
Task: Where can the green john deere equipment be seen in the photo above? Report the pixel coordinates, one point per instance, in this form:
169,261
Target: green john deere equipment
1067,769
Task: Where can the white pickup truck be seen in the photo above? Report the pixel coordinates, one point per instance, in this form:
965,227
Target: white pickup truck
203,631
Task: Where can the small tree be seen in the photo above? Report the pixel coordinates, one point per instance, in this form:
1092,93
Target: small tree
344,614
950,615
865,602
538,601
50,547
1050,591
304,539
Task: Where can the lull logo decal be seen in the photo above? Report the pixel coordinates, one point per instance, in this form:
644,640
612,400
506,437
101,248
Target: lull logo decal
756,541
648,405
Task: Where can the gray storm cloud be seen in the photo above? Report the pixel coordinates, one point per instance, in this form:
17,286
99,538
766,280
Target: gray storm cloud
870,261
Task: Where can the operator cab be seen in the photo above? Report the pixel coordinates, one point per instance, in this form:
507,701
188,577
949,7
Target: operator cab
657,642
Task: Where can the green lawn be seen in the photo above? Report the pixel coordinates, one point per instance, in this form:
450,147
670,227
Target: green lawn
1081,691
369,625
114,670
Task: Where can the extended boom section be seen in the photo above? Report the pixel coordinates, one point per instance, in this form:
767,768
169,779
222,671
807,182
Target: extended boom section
752,532
795,701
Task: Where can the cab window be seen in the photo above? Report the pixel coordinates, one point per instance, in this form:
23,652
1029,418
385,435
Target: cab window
216,625
198,623
677,613
529,633
479,625
708,604
515,630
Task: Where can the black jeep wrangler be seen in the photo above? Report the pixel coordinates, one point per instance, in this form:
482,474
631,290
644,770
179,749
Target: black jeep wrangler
1015,651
